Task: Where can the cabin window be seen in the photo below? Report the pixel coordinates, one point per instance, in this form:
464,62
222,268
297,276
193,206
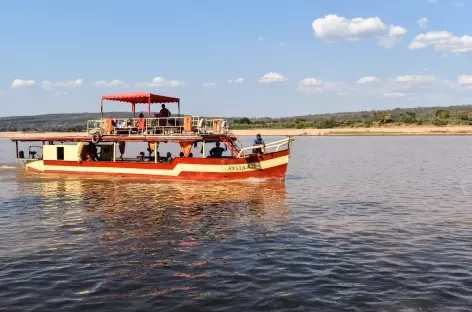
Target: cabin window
60,153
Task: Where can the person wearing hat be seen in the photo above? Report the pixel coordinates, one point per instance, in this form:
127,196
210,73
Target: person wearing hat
258,141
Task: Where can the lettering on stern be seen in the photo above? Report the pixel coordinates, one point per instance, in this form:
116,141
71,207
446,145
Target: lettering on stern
246,167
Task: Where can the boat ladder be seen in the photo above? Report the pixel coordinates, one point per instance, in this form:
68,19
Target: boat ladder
234,146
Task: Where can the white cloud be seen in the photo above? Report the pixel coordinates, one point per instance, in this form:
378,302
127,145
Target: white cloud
397,31
161,82
464,80
19,83
368,79
260,38
237,80
459,4
315,85
113,83
209,84
423,22
338,28
272,77
394,94
442,41
66,84
414,78
432,1
61,93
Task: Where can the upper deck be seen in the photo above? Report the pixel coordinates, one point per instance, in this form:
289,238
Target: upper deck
159,126
194,127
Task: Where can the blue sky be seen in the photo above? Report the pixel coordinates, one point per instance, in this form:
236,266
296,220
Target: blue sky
284,58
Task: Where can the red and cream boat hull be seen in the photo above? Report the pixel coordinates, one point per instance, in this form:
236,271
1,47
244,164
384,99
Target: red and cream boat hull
270,166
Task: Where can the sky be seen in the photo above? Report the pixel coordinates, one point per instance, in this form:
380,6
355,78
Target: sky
235,58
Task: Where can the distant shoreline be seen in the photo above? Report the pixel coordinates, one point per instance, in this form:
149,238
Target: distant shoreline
383,131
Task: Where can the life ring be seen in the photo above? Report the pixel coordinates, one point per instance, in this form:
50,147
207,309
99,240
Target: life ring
96,138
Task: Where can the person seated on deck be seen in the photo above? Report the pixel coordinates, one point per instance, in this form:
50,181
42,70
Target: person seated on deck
91,154
141,156
167,158
217,151
258,141
181,154
190,155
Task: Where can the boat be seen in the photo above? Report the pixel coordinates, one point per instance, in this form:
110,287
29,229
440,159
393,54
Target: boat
96,151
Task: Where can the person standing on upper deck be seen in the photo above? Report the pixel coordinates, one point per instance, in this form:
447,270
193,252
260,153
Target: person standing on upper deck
164,112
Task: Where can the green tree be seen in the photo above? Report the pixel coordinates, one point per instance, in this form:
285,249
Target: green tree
442,114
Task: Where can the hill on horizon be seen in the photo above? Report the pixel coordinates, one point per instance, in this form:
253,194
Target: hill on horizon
438,115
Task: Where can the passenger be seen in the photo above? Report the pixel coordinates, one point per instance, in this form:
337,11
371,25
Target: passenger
141,123
181,154
141,156
92,154
217,151
169,157
258,141
190,155
164,112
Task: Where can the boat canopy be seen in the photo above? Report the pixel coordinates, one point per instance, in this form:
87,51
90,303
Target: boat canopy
140,98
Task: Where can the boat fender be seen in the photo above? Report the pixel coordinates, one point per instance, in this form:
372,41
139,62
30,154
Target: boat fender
96,138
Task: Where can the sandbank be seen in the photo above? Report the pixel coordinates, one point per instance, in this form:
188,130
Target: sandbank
389,131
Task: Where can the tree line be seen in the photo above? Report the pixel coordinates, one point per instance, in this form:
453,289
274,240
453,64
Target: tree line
437,116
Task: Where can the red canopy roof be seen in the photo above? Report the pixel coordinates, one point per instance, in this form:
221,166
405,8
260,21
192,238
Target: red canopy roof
140,98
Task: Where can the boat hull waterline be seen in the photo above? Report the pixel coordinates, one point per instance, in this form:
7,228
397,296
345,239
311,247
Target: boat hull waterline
270,166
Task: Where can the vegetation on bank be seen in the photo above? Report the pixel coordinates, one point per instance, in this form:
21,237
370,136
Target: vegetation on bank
433,116
437,116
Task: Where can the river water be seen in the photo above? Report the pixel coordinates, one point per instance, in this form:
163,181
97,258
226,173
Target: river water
360,224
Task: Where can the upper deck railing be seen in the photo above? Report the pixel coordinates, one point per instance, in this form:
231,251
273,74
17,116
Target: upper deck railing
174,126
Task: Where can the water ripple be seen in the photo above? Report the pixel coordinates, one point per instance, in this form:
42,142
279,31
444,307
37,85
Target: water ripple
361,224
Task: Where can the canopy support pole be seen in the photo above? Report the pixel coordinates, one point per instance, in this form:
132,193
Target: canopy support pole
203,148
149,107
16,149
178,107
101,108
114,151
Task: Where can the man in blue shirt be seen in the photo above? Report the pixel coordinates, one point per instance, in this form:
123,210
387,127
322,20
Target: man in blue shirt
258,141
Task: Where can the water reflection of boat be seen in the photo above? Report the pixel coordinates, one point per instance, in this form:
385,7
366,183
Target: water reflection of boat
139,202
